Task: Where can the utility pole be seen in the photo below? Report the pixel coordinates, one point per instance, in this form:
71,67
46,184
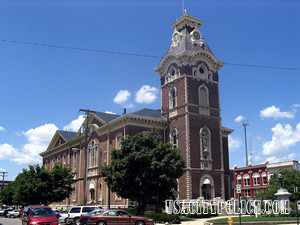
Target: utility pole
4,174
87,112
245,124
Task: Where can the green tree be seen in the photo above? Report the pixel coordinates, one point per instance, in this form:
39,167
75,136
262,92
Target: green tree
291,179
37,185
6,195
144,170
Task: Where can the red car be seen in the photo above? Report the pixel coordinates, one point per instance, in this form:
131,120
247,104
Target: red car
39,215
118,217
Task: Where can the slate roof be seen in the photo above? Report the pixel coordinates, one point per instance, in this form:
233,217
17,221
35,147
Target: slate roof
148,112
67,135
107,116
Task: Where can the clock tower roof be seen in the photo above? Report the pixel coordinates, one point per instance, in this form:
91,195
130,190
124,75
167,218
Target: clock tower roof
187,36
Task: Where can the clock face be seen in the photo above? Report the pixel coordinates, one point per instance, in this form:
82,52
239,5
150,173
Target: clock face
196,35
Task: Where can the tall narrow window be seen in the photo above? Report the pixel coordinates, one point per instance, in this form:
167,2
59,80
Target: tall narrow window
100,193
173,98
118,140
74,161
174,138
203,97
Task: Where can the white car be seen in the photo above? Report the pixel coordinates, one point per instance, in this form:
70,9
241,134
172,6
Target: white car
74,214
13,214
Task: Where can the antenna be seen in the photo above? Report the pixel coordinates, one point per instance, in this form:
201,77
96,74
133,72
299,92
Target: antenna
183,9
245,124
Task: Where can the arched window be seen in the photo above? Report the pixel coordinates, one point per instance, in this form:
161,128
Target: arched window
92,194
100,193
92,154
246,180
174,138
264,178
256,179
239,180
203,96
173,98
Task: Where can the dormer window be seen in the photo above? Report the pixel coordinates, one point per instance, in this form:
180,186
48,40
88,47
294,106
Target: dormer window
202,72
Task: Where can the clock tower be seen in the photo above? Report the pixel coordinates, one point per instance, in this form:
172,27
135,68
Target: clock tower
190,101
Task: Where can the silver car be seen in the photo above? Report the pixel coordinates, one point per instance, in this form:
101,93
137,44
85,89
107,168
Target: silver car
13,214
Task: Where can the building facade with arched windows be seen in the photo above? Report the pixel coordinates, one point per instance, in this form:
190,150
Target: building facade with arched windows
189,119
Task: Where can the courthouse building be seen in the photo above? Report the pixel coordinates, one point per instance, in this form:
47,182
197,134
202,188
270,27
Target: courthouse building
189,118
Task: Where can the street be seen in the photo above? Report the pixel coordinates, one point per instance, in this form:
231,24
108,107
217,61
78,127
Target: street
9,221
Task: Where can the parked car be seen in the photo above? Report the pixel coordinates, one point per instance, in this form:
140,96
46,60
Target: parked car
13,214
6,211
84,218
118,217
74,214
38,215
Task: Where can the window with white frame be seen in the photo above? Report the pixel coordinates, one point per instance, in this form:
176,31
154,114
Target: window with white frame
256,179
104,156
92,194
239,180
100,195
246,180
173,98
174,138
264,179
64,159
92,154
119,141
74,161
74,194
247,193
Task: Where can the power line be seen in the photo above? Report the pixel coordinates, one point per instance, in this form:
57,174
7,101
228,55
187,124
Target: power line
136,55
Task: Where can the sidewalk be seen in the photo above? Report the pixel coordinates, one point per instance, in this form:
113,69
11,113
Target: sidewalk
198,221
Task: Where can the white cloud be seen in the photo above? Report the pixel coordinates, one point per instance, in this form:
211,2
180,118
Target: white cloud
275,159
7,151
2,128
109,112
296,106
75,124
274,112
233,143
284,137
3,170
239,119
37,141
146,94
122,97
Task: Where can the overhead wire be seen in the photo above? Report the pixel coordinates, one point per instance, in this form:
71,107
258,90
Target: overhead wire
135,54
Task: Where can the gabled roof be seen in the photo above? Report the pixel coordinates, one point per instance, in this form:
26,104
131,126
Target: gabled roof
148,112
106,116
67,135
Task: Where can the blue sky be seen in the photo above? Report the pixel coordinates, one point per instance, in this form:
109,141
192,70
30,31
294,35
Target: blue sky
43,88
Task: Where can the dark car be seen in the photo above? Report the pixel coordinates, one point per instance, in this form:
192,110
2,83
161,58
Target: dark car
118,217
39,215
6,212
83,220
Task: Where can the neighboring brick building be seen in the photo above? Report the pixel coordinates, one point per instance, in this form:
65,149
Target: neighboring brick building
255,178
190,119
